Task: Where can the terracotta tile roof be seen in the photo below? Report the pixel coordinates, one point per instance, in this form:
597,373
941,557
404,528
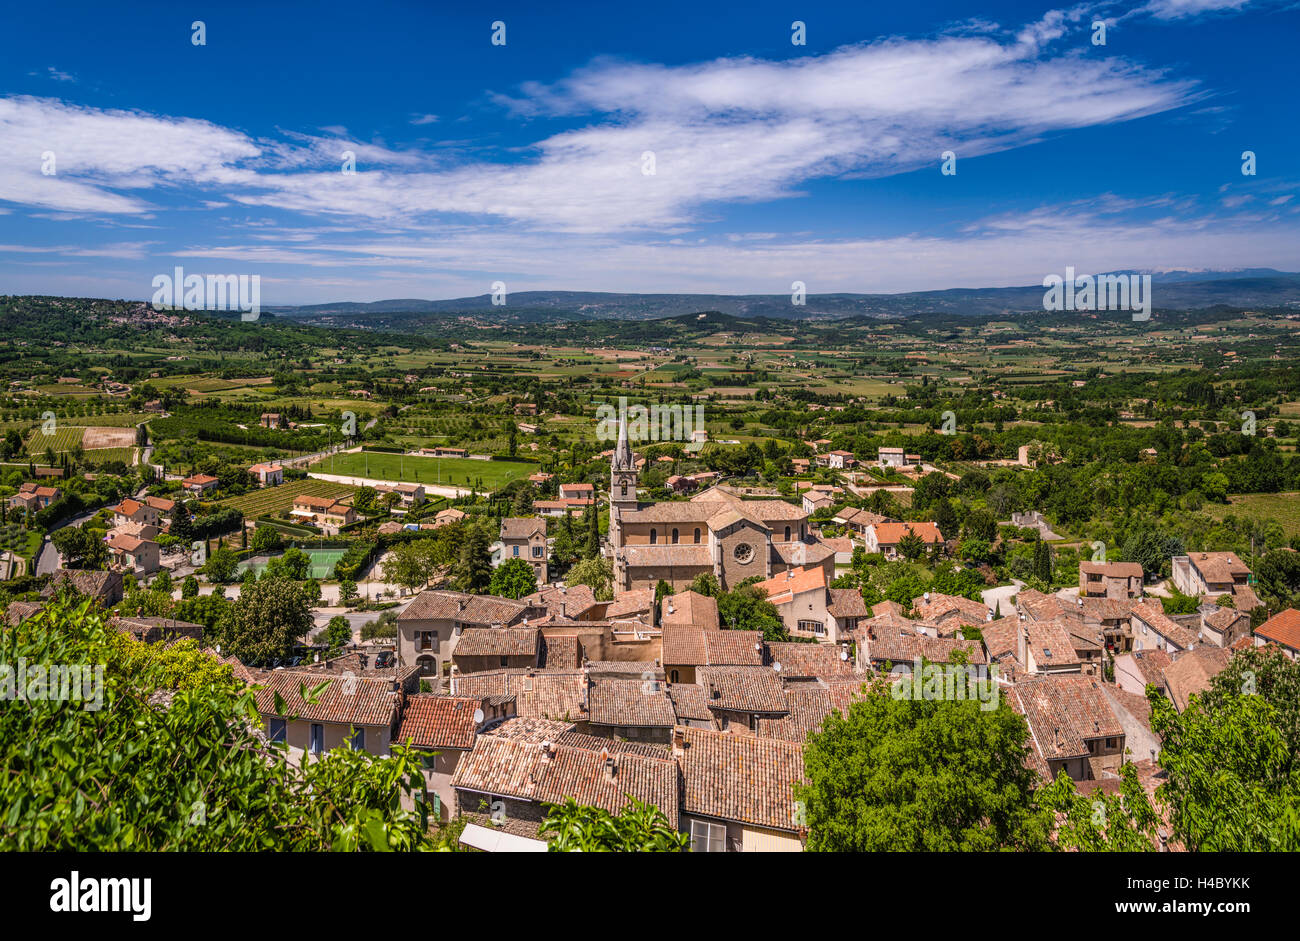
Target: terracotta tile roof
739,777
1037,606
803,554
940,606
497,642
690,701
1107,609
353,701
743,689
1191,672
1244,597
1152,613
627,603
128,507
597,743
689,607
85,581
607,778
522,528
571,601
1051,644
784,587
810,659
1151,663
550,694
630,702
687,556
1282,628
161,503
809,705
1111,569
1000,638
439,721
846,603
440,605
19,611
904,644
889,534
530,729
1063,711
1222,619
561,652
691,646
1218,567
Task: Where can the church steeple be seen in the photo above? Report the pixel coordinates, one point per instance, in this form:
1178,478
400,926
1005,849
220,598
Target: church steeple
622,479
623,457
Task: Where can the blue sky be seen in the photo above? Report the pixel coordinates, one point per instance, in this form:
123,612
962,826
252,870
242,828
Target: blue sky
524,162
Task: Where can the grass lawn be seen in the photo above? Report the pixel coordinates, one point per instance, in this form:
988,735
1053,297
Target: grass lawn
448,471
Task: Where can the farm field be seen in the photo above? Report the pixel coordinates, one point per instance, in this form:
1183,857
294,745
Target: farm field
274,500
1283,508
448,471
91,438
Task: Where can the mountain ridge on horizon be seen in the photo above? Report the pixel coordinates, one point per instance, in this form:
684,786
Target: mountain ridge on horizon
1249,287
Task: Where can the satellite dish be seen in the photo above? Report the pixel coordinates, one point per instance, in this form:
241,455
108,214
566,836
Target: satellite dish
777,666
478,715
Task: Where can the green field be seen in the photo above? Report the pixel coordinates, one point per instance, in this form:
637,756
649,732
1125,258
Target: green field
447,471
275,500
322,563
1282,508
65,438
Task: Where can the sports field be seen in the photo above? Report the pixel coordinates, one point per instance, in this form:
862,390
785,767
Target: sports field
322,563
447,471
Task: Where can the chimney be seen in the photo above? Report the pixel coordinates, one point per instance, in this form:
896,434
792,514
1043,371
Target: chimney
679,741
548,750
611,765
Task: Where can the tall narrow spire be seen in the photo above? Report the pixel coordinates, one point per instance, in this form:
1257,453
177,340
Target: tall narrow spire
623,459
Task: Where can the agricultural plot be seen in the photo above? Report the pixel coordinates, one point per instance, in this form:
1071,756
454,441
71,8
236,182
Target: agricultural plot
64,438
92,438
275,500
1282,508
447,471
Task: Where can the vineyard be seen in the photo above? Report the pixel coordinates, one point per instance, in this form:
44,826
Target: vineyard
275,500
445,471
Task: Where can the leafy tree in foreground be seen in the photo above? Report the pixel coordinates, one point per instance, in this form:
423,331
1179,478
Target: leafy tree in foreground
638,828
174,718
513,579
1124,822
1233,757
918,774
472,571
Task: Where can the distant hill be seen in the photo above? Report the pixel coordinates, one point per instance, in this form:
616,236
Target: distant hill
1174,290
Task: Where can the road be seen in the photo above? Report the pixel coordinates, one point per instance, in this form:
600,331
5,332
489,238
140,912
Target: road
1001,596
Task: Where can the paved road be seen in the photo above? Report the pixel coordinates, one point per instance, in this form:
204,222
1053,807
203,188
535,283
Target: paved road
1001,596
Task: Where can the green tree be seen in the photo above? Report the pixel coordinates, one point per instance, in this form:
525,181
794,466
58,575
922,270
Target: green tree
908,774
266,539
597,574
214,782
1124,822
189,587
271,616
513,579
338,634
1232,757
746,608
910,545
637,828
221,566
706,583
472,571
